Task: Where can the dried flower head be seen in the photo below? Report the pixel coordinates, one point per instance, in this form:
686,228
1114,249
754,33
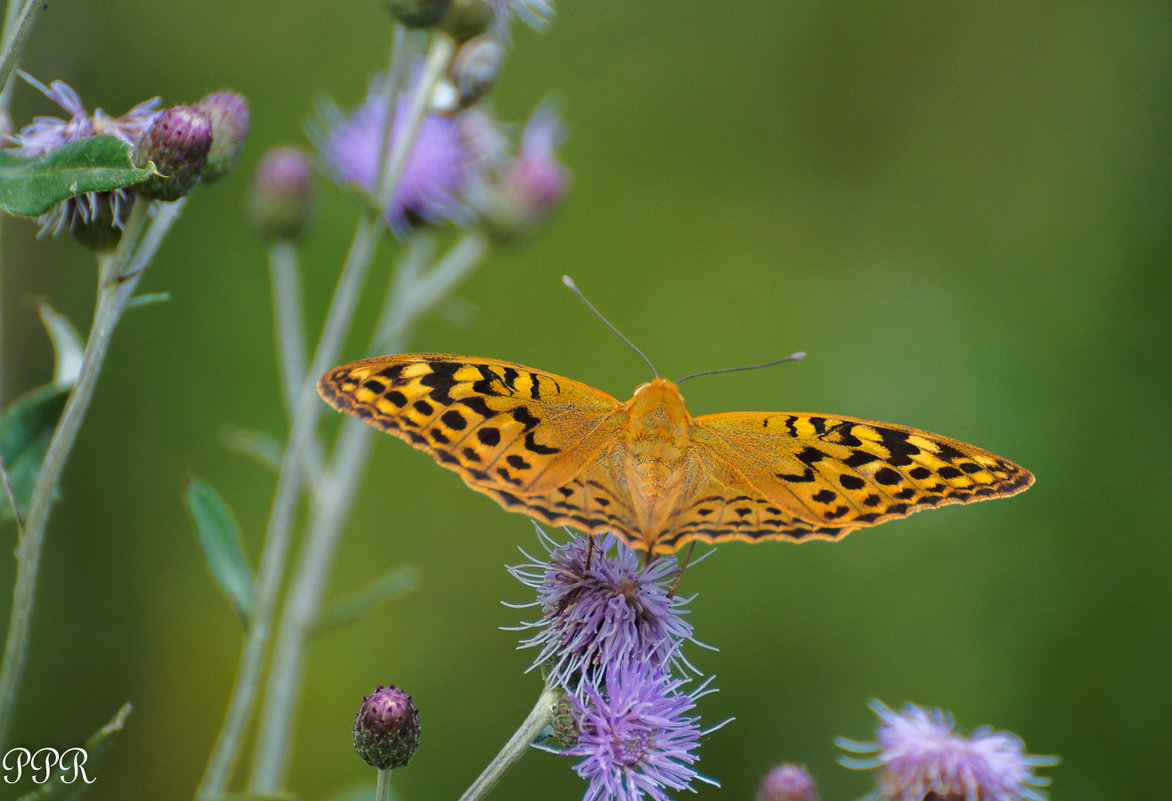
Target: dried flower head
602,610
447,158
104,210
386,728
919,754
636,738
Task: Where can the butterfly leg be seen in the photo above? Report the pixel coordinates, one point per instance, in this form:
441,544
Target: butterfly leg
687,558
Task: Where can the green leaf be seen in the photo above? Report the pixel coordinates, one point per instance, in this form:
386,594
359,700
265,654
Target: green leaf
26,426
149,299
266,449
66,346
69,782
32,186
346,610
219,537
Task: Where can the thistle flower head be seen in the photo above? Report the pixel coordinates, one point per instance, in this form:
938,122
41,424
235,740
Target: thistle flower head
530,185
386,728
918,754
788,782
636,738
228,113
177,141
281,196
46,134
602,611
446,160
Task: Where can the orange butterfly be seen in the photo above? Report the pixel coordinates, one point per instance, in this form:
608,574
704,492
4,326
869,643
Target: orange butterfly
566,453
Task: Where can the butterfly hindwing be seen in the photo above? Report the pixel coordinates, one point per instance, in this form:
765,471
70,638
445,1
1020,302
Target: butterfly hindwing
504,427
845,471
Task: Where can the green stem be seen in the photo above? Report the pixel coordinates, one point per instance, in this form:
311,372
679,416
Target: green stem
382,786
16,32
517,746
266,773
117,279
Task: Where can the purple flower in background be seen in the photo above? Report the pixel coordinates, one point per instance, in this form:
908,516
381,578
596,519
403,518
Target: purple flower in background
528,186
602,619
918,753
46,134
636,738
447,159
788,782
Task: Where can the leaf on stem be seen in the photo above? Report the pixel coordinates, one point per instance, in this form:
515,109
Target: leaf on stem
68,781
219,538
266,449
67,346
350,608
32,186
26,426
149,299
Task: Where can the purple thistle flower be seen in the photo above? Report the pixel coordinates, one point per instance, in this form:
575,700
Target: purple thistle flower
528,186
788,782
600,620
46,134
637,739
918,754
448,157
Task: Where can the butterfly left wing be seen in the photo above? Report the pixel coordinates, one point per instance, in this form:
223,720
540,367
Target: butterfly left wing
521,436
839,473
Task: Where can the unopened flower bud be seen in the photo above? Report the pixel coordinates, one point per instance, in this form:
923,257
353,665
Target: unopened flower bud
788,782
386,728
177,142
418,13
565,726
467,18
475,69
228,113
281,198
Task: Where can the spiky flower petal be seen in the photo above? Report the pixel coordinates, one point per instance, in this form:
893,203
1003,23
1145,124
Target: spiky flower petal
602,611
918,753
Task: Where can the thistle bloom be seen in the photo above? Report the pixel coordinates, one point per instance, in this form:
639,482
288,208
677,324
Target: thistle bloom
788,782
386,728
918,753
447,159
530,185
637,739
602,619
46,134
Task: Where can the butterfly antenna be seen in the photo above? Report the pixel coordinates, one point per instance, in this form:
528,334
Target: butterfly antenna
793,357
569,282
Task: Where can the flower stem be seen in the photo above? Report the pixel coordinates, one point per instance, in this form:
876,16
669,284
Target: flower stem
16,31
266,773
117,279
540,716
382,786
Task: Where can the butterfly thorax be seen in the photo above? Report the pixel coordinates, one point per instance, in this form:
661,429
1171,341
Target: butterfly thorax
656,440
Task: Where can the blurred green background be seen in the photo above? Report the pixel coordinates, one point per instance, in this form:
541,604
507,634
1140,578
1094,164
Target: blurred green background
960,211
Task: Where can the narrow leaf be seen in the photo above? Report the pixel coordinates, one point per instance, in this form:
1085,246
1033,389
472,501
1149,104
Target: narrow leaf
219,537
266,449
149,299
32,186
70,779
346,610
67,346
26,426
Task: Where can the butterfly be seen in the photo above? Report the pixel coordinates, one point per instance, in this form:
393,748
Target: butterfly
566,453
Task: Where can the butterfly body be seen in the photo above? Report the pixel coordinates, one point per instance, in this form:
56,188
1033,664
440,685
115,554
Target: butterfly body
568,454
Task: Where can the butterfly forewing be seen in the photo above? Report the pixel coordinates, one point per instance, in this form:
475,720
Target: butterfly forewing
505,428
837,471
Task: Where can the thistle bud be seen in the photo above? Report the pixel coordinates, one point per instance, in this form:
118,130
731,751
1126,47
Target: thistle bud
177,142
418,13
281,198
467,18
475,69
228,113
96,218
565,726
386,728
788,782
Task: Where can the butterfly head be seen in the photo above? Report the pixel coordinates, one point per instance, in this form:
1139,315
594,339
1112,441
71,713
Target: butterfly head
659,404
